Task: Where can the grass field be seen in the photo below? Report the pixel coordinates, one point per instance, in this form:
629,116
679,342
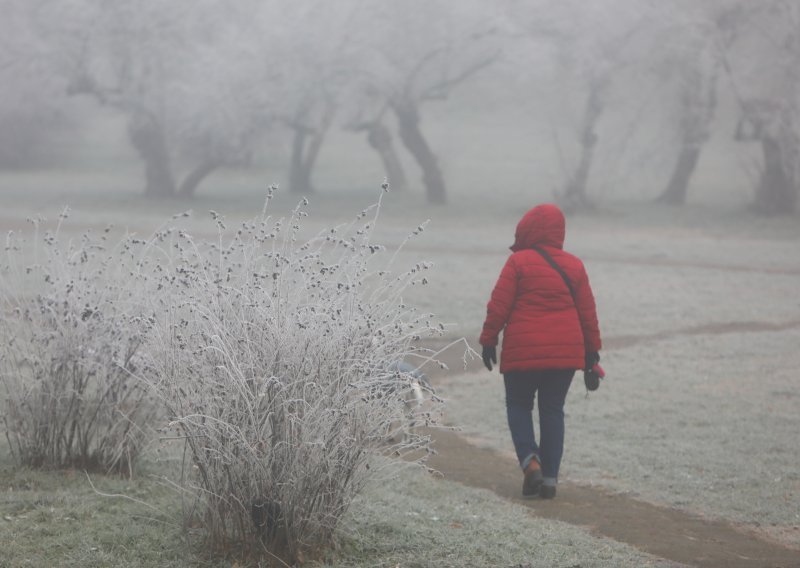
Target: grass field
59,519
700,312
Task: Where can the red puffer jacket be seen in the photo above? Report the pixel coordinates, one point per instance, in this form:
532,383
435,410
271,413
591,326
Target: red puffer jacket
532,305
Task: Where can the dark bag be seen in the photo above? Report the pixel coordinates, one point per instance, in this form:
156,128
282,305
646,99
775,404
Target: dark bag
591,376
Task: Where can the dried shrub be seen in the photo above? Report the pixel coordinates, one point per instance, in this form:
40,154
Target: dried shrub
276,359
70,339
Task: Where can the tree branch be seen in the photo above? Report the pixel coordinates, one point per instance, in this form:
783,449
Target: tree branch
442,89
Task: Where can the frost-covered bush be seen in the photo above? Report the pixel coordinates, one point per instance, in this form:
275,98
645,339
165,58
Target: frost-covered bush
276,358
70,337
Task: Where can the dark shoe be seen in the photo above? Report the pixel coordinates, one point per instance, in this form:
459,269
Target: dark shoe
547,491
533,479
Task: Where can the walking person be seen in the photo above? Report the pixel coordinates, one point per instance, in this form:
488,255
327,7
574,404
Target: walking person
544,306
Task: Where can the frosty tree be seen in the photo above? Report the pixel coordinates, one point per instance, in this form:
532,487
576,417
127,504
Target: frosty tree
416,52
165,68
596,51
768,95
32,104
690,64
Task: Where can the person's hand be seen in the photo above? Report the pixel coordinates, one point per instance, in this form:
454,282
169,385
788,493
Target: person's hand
591,359
489,356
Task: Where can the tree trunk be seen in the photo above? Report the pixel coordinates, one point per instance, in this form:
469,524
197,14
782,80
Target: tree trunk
698,107
411,135
776,193
575,192
677,189
299,172
195,177
305,150
380,139
147,137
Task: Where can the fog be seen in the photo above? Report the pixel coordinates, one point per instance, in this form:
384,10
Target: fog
667,130
675,102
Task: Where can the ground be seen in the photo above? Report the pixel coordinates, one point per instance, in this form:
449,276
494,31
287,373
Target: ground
700,325
662,531
695,427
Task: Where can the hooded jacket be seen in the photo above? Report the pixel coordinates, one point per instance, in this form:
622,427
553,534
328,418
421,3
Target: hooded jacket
533,307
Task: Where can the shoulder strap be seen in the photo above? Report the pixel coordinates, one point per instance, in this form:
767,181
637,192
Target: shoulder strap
558,269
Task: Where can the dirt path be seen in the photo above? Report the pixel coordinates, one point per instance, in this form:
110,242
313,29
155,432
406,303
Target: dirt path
664,532
623,341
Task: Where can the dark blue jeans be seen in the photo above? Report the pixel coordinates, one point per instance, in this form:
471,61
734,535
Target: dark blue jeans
521,389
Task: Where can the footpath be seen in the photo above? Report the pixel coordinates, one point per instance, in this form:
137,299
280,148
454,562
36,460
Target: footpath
662,531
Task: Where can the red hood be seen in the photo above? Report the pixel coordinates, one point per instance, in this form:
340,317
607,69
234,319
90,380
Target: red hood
542,225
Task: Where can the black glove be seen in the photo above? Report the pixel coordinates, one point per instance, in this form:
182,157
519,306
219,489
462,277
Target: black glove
489,356
591,360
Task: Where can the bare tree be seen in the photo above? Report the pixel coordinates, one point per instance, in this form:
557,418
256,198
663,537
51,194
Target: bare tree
121,62
380,139
697,103
32,103
598,47
598,51
691,64
167,69
417,52
227,107
369,109
769,95
317,66
310,125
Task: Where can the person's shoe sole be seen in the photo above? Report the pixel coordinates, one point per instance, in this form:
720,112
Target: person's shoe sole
532,483
547,491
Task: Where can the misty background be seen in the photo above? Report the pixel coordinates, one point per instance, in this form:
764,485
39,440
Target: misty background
668,130
474,101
